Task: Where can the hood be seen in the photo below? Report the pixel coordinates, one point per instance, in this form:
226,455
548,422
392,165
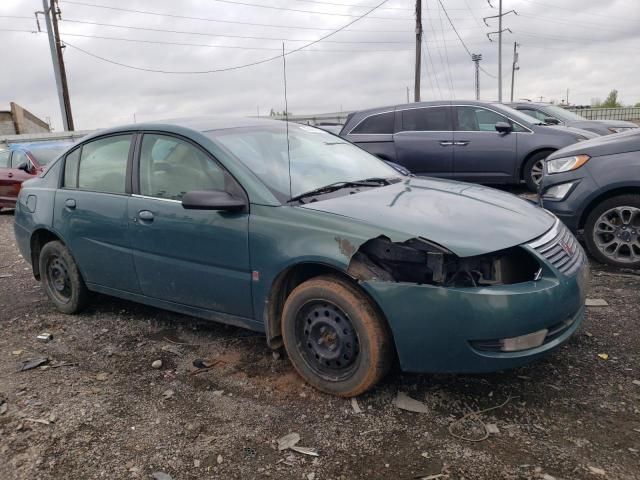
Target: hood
578,131
601,126
628,141
465,218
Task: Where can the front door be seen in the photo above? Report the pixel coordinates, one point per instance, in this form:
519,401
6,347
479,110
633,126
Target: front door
198,258
481,154
424,142
91,212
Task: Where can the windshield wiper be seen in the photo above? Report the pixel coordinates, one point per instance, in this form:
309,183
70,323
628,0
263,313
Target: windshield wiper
332,187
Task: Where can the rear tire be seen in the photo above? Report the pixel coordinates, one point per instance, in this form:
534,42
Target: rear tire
335,337
612,231
533,169
61,278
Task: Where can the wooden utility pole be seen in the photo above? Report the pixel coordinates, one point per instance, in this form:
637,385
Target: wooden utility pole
416,94
514,67
67,116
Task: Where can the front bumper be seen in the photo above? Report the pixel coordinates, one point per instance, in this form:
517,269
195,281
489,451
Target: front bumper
570,208
439,329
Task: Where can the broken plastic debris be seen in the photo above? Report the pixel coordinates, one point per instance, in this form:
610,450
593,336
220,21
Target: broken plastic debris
492,428
603,356
636,382
45,337
102,377
355,406
3,406
596,302
288,441
596,470
33,363
305,450
168,393
161,476
405,402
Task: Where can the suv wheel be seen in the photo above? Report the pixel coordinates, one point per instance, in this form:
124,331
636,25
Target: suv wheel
61,279
533,170
612,231
335,337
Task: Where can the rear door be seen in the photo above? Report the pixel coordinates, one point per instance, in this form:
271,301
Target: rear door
91,211
11,177
424,141
198,258
481,154
5,162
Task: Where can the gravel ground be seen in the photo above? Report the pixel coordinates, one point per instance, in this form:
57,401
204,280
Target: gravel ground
99,410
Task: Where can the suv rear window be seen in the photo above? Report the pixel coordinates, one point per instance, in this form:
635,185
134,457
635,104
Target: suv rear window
380,123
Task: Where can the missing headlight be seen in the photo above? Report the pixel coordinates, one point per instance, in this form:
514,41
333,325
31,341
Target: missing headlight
421,262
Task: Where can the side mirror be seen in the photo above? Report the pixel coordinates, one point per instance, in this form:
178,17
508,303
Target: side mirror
551,121
24,166
213,200
503,127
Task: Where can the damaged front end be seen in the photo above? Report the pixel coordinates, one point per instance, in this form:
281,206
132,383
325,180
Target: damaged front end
421,262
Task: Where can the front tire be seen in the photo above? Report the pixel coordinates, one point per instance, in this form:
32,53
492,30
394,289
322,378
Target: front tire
533,170
61,278
335,337
612,231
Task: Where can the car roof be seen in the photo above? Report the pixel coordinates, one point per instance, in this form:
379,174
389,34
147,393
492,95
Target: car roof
434,103
37,145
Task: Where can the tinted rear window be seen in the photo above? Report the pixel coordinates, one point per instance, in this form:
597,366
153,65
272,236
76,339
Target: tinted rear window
380,123
432,119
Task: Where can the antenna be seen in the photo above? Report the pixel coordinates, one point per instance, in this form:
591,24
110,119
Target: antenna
286,115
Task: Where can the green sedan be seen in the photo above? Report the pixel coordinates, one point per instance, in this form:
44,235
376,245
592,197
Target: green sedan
292,231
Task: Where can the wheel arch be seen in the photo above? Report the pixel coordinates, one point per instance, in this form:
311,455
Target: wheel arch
39,238
287,280
605,195
531,154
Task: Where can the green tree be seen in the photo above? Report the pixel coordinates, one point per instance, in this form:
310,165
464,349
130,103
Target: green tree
612,100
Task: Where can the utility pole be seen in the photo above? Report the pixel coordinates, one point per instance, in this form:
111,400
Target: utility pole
476,57
514,66
51,13
416,94
499,33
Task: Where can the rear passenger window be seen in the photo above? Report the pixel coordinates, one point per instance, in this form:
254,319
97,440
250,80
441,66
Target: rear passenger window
381,123
4,158
432,119
71,169
103,164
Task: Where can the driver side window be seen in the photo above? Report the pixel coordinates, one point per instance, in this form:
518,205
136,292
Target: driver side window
477,119
18,159
171,167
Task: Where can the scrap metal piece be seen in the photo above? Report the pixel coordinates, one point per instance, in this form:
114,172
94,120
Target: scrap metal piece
32,363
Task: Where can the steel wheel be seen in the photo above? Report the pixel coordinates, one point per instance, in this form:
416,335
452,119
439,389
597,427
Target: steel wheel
326,340
57,276
616,234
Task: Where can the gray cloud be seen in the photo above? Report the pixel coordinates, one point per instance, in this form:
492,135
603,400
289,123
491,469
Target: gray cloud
587,46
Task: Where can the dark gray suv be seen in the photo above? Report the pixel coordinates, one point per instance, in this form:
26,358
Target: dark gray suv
462,140
548,113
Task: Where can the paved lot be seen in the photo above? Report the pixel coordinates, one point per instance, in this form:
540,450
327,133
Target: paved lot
98,409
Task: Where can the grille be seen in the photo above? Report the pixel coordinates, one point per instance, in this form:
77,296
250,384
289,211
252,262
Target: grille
560,248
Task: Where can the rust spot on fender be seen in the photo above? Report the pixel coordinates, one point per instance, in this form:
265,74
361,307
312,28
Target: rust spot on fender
346,247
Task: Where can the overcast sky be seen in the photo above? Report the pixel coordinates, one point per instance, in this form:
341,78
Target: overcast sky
586,46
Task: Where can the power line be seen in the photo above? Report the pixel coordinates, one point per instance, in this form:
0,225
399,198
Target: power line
250,37
237,67
446,55
273,7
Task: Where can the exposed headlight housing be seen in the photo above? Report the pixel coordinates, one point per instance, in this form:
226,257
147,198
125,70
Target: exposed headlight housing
619,129
566,164
558,192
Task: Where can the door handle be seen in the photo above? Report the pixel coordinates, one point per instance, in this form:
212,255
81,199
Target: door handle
445,143
461,143
70,203
145,215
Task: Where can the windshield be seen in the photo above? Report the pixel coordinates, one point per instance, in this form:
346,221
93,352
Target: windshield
45,154
561,114
318,158
520,116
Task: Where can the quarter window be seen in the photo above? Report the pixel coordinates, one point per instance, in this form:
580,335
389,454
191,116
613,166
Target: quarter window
4,158
475,119
103,164
381,123
18,159
171,167
432,119
71,169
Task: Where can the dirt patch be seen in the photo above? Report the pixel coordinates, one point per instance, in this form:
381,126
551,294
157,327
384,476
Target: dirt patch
99,410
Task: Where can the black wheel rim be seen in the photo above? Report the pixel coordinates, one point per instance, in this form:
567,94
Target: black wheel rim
326,340
537,171
58,278
616,234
